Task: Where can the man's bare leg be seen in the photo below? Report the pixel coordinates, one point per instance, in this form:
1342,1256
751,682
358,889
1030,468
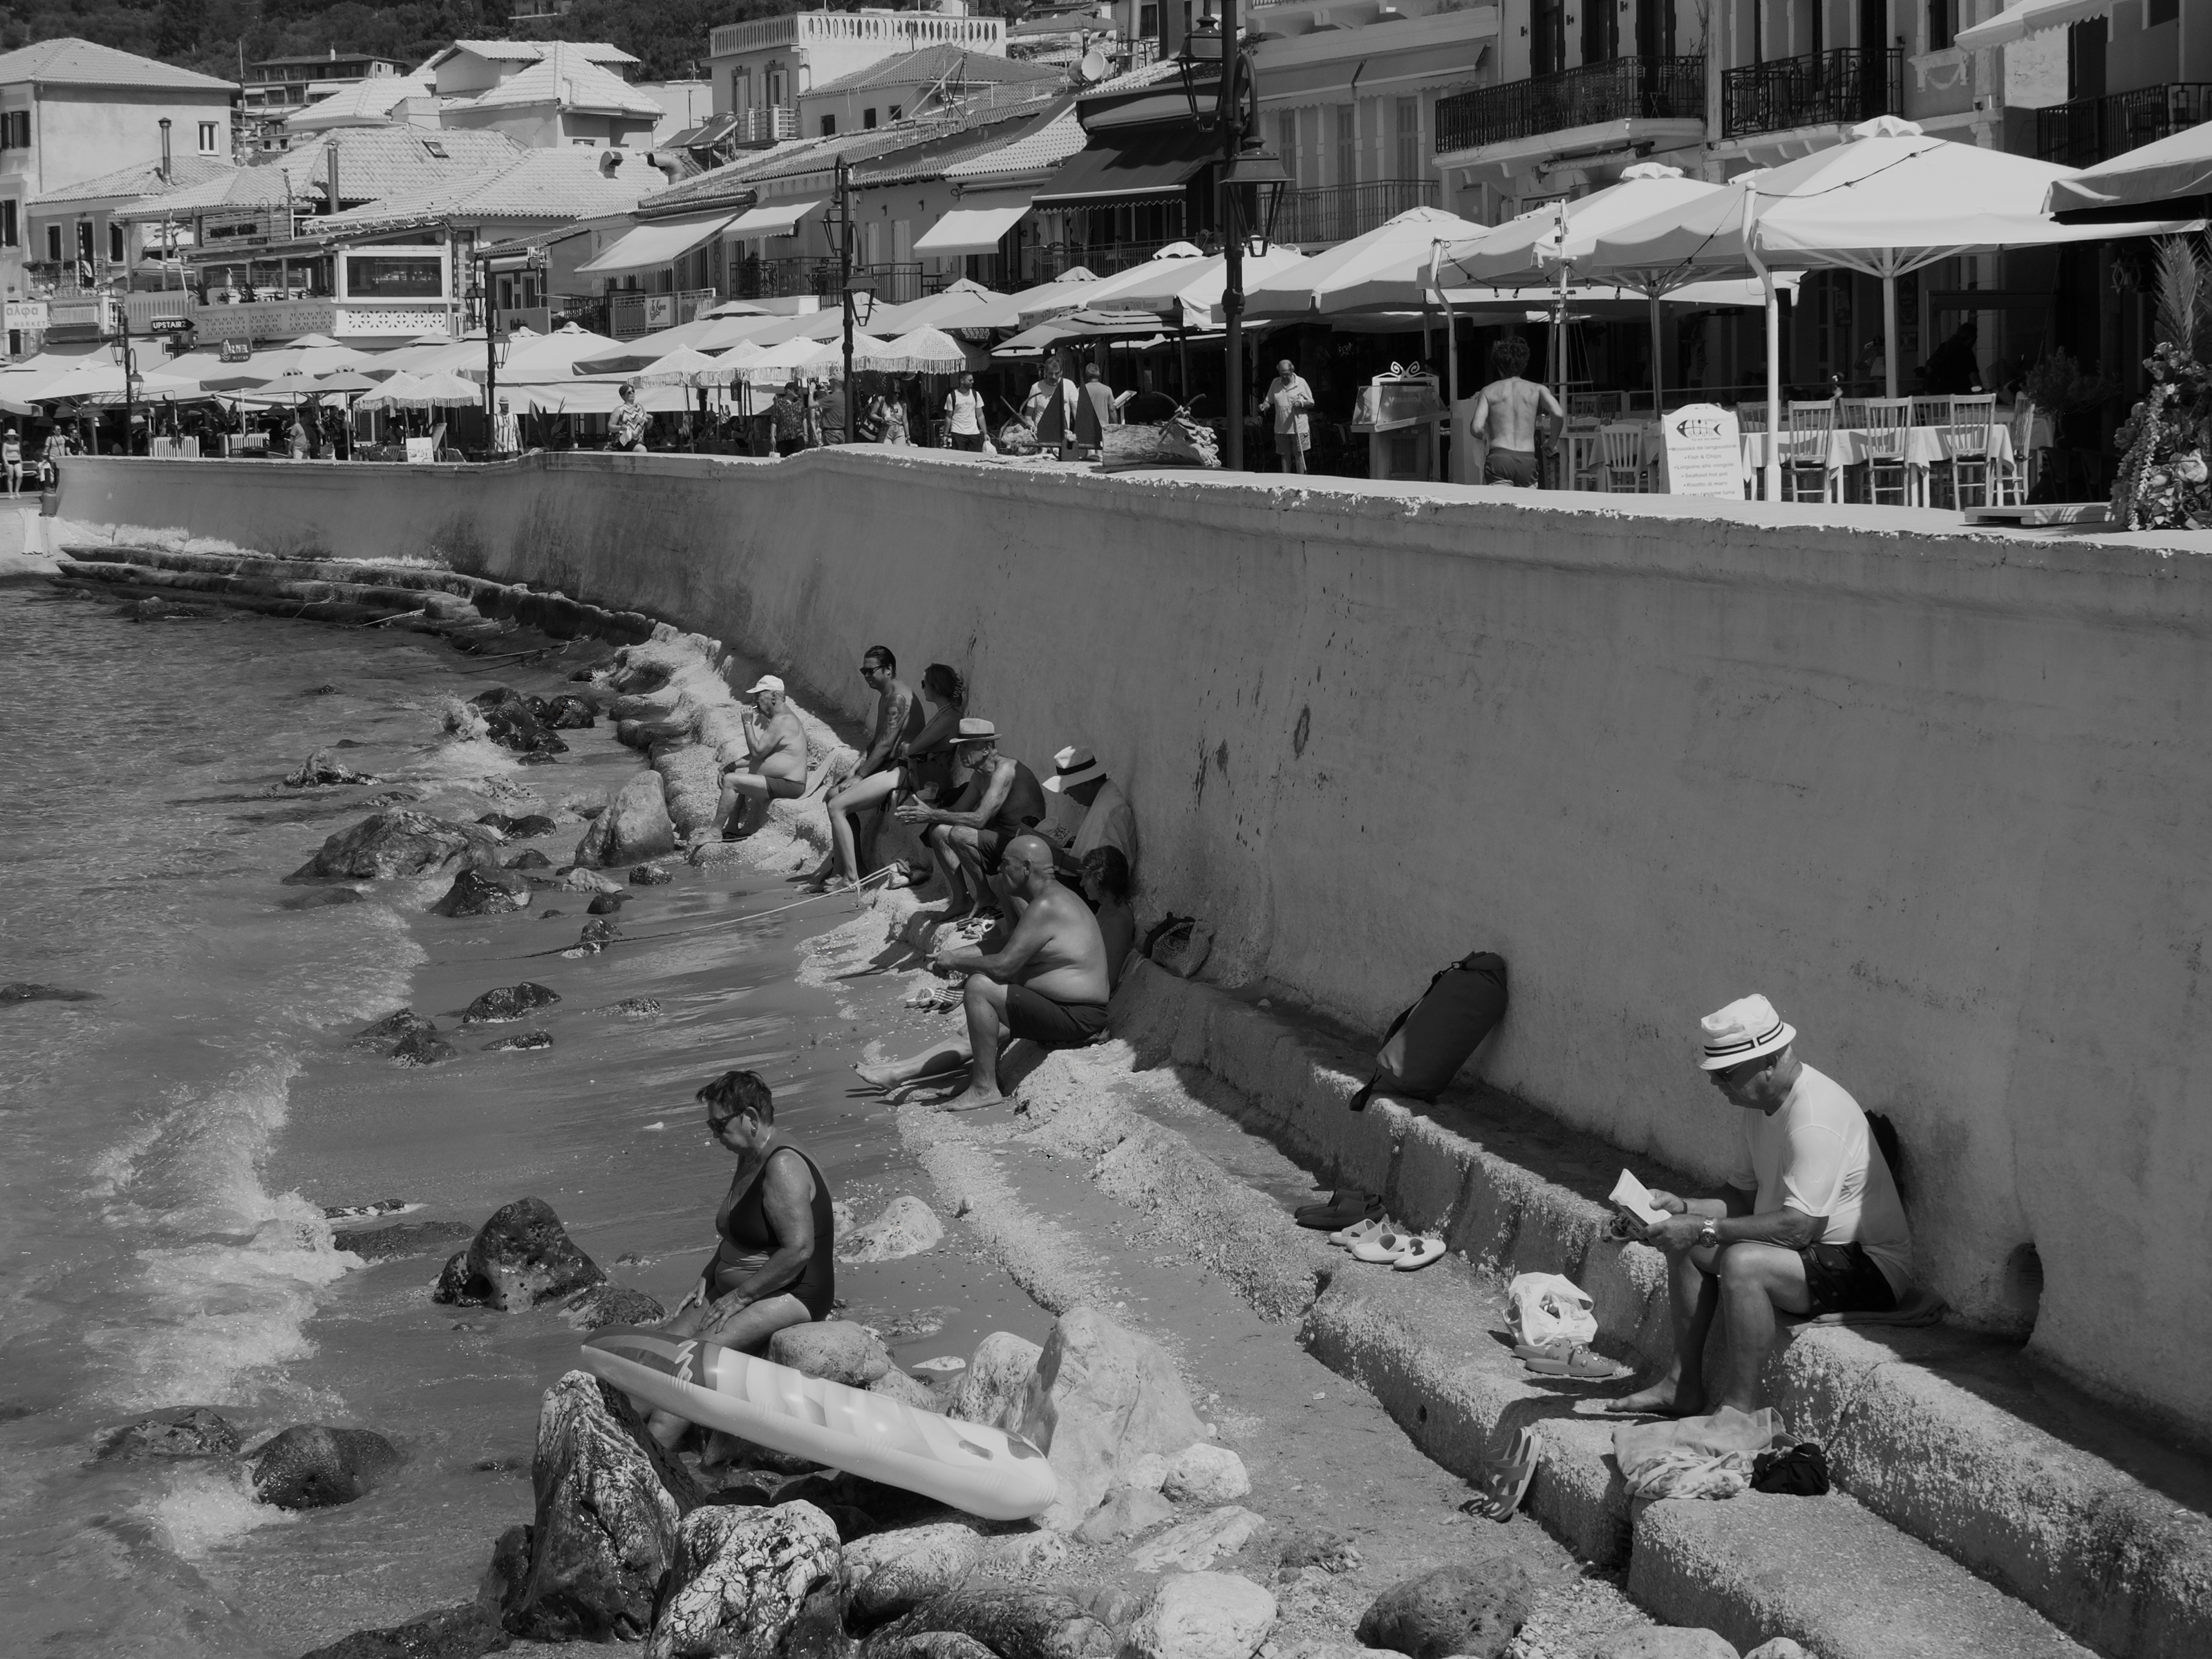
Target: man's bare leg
942,847
941,1061
1756,1279
966,847
748,810
1693,1294
985,1000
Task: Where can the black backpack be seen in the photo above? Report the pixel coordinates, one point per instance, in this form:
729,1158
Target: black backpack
1428,1043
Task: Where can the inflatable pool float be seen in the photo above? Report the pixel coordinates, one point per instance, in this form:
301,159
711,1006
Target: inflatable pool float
985,1472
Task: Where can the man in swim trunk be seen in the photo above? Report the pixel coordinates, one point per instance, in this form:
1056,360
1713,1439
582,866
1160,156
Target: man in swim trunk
1508,412
1048,983
969,838
774,767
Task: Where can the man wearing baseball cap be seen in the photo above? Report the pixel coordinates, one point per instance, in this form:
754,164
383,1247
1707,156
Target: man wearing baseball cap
774,766
1106,818
1810,1224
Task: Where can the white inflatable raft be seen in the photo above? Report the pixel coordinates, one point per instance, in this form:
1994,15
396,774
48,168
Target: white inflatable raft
985,1472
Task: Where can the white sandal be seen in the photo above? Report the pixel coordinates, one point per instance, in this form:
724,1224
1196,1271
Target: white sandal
1424,1251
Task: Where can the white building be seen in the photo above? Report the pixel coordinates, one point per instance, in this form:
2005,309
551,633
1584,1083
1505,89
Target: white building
543,93
761,68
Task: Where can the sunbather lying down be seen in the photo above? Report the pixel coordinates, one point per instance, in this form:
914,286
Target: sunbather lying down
1049,983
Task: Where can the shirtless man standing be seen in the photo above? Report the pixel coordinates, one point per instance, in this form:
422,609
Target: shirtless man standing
968,838
774,766
899,719
1506,414
1050,984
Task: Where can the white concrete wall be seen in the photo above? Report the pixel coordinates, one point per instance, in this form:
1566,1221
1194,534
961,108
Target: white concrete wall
1943,798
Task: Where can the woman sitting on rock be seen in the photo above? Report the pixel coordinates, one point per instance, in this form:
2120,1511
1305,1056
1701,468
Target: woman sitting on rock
921,770
774,1266
1106,885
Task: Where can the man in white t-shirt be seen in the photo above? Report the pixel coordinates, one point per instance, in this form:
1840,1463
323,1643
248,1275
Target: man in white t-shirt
1811,1223
1100,815
964,414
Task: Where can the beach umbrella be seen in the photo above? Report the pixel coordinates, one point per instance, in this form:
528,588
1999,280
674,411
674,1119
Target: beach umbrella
682,367
600,394
830,354
1102,324
351,383
1052,299
1385,268
542,356
2173,175
926,352
98,379
930,310
310,354
779,362
435,390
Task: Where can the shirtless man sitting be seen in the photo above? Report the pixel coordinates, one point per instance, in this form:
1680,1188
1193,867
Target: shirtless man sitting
1506,414
1048,984
774,766
1002,798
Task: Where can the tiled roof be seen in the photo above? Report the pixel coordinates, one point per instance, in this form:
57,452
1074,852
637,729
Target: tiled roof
1048,143
374,163
567,79
67,61
142,179
954,63
365,100
541,184
1144,74
989,133
524,52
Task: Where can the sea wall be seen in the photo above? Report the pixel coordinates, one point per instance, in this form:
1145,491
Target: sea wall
1943,797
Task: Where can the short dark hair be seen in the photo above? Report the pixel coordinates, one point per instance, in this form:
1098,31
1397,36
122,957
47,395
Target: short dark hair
946,680
881,654
738,1092
1107,866
1091,371
1508,356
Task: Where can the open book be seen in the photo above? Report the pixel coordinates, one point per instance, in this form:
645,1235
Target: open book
1633,1196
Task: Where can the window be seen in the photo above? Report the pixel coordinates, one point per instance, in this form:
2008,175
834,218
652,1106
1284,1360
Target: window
1409,139
741,88
54,244
208,137
1148,22
7,224
779,87
829,126
84,239
898,110
1286,142
868,120
15,130
1348,144
387,277
2159,11
114,242
432,147
1942,23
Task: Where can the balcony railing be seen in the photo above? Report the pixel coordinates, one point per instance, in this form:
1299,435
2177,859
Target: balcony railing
629,315
894,284
2088,131
765,124
1822,88
1340,212
1621,89
776,279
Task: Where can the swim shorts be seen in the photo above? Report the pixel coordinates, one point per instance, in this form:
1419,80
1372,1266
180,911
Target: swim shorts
1055,1024
1844,1278
991,839
1512,466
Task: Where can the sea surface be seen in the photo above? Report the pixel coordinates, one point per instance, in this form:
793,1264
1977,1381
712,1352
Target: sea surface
171,1144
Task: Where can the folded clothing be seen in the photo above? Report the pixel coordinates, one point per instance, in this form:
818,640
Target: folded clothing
1712,1457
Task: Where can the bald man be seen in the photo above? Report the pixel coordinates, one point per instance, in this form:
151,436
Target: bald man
1048,983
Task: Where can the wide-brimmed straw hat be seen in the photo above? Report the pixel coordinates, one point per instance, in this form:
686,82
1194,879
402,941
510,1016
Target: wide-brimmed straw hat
974,731
1071,766
1748,1028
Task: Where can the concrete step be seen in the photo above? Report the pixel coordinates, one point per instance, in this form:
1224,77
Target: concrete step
1945,1437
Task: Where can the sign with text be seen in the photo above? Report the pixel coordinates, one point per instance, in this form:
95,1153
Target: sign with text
236,351
1703,452
170,325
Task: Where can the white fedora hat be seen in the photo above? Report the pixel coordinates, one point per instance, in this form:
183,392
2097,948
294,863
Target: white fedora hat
1748,1028
1072,765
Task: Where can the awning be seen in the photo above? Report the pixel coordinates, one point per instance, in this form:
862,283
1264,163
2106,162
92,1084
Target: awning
2027,18
772,219
651,246
1156,162
971,229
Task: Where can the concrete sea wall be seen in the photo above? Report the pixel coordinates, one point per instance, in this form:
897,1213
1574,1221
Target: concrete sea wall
1943,797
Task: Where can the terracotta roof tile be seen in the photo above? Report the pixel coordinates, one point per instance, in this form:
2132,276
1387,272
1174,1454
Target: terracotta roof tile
67,61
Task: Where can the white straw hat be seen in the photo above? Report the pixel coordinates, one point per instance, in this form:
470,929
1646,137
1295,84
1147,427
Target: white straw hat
1071,766
1748,1028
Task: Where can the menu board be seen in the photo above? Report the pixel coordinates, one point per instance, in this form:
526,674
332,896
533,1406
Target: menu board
1703,452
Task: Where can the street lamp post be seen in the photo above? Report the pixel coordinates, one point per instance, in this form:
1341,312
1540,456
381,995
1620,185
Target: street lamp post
845,278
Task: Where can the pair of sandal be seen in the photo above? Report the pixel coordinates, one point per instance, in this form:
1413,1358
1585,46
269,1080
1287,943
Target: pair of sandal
1578,1362
1380,1241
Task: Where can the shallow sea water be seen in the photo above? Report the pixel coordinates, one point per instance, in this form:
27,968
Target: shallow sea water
170,1146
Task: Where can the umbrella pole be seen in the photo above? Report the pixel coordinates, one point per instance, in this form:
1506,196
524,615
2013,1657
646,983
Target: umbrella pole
1889,331
1451,360
1773,345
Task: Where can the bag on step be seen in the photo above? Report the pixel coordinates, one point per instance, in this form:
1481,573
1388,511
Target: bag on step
1431,1040
1544,1308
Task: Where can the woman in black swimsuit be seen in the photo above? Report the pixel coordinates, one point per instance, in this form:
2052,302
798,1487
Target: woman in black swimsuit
921,770
773,1266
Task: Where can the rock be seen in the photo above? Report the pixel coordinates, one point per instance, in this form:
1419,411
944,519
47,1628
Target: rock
636,826
522,1256
569,714
1126,1511
23,990
484,893
1777,1647
612,1304
1332,1552
1025,1555
456,1286
1202,1615
631,1007
520,1040
385,845
895,1384
1472,1607
1117,1605
1012,1622
578,879
818,1631
603,1536
321,691
528,858
598,932
390,1030
509,1002
1205,1474
650,875
529,826
321,898
891,1572
461,1633
927,1644
740,1578
1101,1397
308,1467
198,1432
833,1348
990,1390
1667,1642
1193,1546
406,1239
1149,1472
607,904
319,770
510,722
906,1227
422,1048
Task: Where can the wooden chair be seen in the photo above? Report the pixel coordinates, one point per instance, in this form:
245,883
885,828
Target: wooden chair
1805,449
1620,450
1850,414
2017,473
1970,446
1886,421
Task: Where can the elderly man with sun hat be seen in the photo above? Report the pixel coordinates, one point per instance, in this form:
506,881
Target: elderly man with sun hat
1810,1223
1103,816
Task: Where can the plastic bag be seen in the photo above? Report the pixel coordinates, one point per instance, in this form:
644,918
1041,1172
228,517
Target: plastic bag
1542,1308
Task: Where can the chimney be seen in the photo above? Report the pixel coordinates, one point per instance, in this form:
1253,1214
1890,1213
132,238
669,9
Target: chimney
331,185
167,177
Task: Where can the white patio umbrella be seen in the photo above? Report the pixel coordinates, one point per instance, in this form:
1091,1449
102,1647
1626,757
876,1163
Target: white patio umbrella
598,394
436,390
310,354
830,354
682,367
931,310
730,366
1186,292
1384,269
98,379
1056,298
2173,175
926,352
542,356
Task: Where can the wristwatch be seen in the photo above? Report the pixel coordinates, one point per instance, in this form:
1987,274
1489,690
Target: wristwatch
1709,1234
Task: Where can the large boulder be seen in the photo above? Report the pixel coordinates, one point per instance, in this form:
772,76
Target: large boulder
834,1349
612,1304
1667,1642
1012,1622
461,1633
634,826
1473,1608
489,893
1202,1615
388,1030
511,723
308,1467
740,1576
927,1644
321,771
421,1047
197,1432
990,1390
509,1002
1777,1647
1101,1397
906,1227
889,1572
1126,1511
1205,1474
522,1256
907,1391
403,1239
385,845
609,1504
1197,1544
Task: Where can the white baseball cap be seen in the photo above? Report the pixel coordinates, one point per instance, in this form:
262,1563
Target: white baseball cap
765,683
1748,1028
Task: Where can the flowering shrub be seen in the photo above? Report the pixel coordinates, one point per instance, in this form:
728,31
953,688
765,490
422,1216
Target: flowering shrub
2162,481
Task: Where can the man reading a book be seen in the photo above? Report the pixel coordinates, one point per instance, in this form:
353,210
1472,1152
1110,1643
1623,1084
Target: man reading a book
1811,1222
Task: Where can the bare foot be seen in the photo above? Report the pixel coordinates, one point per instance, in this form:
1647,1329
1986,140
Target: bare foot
879,1077
972,1099
1668,1397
